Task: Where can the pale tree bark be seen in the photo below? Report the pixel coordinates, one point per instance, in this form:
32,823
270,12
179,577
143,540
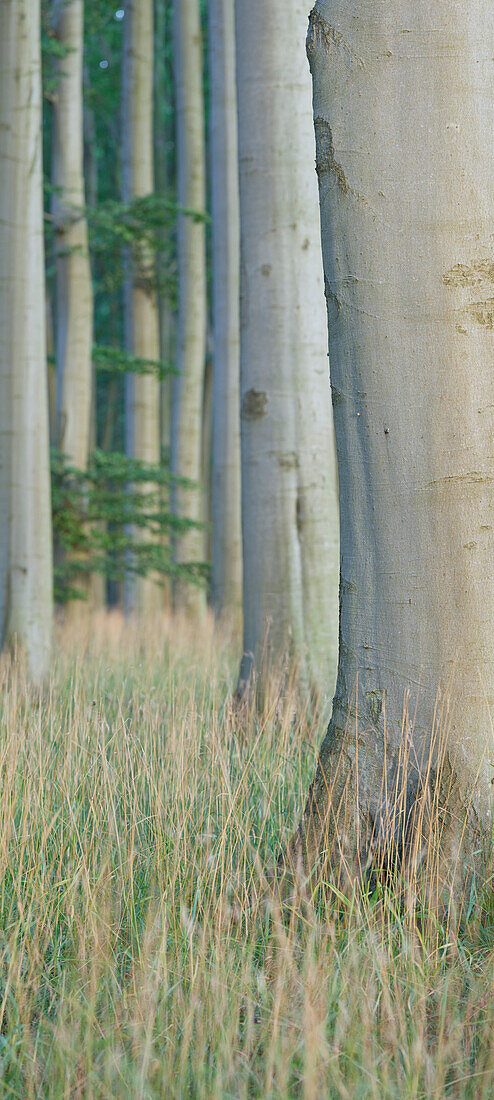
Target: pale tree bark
289,501
74,294
26,599
191,322
163,145
226,484
141,307
404,117
206,465
74,291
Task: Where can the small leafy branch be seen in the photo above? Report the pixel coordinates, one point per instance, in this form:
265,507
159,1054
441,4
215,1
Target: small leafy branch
100,516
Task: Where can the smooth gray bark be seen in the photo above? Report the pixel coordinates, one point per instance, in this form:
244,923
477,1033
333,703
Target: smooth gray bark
404,117
289,499
26,597
140,300
74,294
225,229
191,321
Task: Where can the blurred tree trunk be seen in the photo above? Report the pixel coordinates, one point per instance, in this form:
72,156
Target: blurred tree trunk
405,163
74,291
207,449
191,323
141,307
163,156
164,174
26,596
289,497
226,524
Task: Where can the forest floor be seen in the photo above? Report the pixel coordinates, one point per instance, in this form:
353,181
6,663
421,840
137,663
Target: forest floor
138,954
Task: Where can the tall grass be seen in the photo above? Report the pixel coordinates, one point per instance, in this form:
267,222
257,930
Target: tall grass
138,956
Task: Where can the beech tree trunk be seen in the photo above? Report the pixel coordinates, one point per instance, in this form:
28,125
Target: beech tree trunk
289,500
74,294
26,599
74,291
163,155
191,322
141,307
226,483
404,117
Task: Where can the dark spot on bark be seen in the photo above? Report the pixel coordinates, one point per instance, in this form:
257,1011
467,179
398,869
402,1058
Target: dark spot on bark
325,159
266,269
299,517
333,303
288,461
305,244
375,700
336,396
254,404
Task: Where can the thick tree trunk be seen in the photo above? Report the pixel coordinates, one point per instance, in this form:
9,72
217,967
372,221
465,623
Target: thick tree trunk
142,323
226,484
289,502
74,294
26,600
191,323
404,118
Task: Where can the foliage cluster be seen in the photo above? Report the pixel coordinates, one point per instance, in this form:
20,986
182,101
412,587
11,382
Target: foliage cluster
98,517
140,953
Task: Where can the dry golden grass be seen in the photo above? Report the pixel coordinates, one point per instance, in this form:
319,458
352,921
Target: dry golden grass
138,958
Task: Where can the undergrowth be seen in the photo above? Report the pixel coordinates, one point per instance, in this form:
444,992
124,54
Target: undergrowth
140,952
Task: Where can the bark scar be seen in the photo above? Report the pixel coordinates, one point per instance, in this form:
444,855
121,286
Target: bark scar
325,158
326,162
321,32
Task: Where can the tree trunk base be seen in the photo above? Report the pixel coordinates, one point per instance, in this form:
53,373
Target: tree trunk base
397,820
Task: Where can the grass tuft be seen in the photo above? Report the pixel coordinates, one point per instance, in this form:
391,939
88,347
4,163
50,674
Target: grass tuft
138,956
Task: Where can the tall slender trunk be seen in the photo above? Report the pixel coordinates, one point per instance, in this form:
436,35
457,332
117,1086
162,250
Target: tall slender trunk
207,451
26,597
191,323
289,505
403,114
74,293
227,531
142,338
163,135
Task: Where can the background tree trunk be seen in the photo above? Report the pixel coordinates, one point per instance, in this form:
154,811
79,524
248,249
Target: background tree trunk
405,176
142,323
289,506
226,484
191,323
74,291
74,295
164,173
26,600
